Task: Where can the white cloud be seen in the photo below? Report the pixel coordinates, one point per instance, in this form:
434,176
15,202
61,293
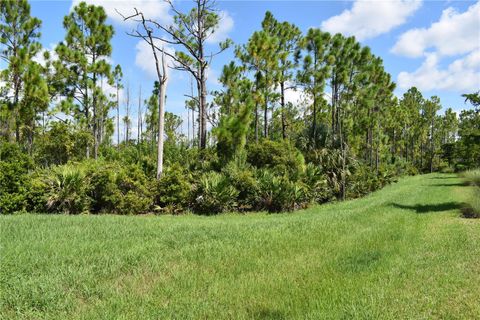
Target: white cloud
40,56
144,57
368,19
212,77
152,9
455,33
295,96
224,27
462,75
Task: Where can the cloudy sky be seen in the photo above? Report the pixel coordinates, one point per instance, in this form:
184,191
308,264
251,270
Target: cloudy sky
433,45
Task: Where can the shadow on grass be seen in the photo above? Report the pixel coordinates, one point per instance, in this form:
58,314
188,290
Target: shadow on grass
456,184
428,208
443,178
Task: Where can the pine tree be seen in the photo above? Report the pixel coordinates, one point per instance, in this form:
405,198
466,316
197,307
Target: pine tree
315,69
259,56
82,62
19,38
288,36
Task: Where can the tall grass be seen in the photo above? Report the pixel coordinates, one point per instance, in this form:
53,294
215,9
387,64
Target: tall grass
472,206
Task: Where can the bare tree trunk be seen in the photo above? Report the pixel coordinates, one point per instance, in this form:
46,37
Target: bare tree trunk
118,117
203,109
193,127
127,116
139,115
161,114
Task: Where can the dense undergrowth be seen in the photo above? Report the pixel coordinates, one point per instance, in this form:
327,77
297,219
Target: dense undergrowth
271,176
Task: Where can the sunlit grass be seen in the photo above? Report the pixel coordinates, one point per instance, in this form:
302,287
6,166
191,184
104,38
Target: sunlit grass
402,252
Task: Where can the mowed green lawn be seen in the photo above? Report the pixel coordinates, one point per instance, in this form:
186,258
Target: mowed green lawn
402,252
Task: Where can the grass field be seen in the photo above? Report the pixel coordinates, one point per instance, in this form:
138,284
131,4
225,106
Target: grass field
402,252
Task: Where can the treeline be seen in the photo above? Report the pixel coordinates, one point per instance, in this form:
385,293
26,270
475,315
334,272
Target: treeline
347,136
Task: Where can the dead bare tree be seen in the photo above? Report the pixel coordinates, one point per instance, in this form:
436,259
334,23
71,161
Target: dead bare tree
145,32
139,115
188,33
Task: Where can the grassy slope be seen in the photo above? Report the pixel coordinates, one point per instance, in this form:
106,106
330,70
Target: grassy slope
402,252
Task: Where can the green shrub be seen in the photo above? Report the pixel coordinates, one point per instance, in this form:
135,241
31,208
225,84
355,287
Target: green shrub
119,188
278,193
14,179
103,190
134,202
37,192
214,194
173,190
278,156
133,191
405,168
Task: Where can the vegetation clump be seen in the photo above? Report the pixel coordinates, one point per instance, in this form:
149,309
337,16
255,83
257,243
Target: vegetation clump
471,208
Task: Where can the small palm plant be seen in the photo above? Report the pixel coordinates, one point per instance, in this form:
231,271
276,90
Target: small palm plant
278,193
67,190
215,194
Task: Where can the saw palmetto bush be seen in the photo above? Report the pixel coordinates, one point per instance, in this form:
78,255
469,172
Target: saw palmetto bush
279,193
214,194
316,184
241,176
332,166
66,190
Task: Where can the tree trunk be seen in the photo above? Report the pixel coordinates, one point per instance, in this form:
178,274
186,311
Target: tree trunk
334,102
139,116
203,109
256,122
193,126
265,116
161,113
87,116
282,102
314,122
161,123
118,118
127,116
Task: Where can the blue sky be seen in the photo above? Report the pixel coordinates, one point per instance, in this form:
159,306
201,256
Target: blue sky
434,45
